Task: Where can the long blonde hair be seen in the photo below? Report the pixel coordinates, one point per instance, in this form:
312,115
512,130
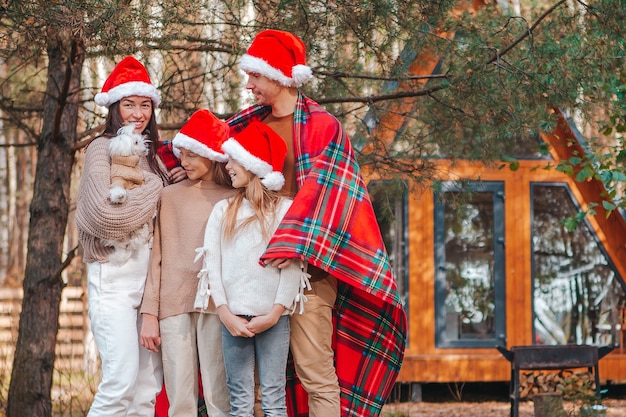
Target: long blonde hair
220,175
264,203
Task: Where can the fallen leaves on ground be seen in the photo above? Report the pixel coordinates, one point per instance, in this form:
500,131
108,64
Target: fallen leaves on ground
616,408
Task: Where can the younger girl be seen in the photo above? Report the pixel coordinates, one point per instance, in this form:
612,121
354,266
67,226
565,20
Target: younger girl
253,302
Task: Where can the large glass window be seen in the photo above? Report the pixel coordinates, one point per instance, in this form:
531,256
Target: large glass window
577,296
469,261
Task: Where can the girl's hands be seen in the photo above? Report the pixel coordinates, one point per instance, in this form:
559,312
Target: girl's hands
260,324
150,336
236,325
240,327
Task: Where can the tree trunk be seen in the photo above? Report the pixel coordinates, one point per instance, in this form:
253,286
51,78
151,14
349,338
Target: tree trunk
31,377
5,192
19,177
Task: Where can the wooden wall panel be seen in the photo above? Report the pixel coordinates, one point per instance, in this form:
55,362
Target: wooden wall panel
426,363
421,273
456,368
613,368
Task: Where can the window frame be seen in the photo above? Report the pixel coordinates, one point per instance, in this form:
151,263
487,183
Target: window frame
497,190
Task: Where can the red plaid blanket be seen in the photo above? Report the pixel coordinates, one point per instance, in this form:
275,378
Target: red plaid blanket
332,225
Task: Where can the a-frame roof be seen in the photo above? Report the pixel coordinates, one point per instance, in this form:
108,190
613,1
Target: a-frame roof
565,142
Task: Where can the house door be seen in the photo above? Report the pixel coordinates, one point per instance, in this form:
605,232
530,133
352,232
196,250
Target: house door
469,265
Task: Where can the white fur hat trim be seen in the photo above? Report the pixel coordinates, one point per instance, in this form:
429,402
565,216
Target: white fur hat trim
301,73
131,88
272,180
183,141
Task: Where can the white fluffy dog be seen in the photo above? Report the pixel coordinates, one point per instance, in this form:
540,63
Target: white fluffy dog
126,149
124,250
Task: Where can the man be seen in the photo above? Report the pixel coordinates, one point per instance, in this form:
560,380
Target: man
332,227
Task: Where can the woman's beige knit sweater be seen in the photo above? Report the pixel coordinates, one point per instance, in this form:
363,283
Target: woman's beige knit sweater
96,217
172,278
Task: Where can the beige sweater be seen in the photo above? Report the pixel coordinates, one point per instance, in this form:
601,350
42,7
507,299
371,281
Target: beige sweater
125,171
96,217
172,278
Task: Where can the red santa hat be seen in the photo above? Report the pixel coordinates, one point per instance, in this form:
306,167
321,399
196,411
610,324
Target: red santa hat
278,55
203,134
128,78
261,151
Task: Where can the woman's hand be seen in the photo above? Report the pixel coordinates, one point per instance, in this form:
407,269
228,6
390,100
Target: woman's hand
150,336
235,325
177,174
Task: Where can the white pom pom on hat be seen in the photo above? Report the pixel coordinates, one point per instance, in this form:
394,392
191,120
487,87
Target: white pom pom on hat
260,150
203,134
278,55
128,78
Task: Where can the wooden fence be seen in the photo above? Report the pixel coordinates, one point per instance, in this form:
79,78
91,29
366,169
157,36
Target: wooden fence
73,339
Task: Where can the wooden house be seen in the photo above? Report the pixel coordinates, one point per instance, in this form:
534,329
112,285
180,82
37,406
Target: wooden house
487,262
482,260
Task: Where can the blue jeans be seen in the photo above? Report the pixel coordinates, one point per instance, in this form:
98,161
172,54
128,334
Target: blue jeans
270,349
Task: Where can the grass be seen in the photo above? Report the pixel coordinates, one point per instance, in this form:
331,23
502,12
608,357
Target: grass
74,383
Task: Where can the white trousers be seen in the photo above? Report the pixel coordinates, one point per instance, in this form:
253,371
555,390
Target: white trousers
132,376
187,339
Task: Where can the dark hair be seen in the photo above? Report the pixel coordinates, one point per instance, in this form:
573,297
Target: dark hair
114,122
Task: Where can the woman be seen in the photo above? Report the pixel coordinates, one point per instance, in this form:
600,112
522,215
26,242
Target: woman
131,375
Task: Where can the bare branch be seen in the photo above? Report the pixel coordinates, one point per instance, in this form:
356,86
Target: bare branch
87,136
337,74
15,118
384,97
525,34
17,145
188,47
56,275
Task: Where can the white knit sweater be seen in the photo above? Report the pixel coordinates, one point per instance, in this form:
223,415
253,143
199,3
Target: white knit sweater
235,276
96,217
